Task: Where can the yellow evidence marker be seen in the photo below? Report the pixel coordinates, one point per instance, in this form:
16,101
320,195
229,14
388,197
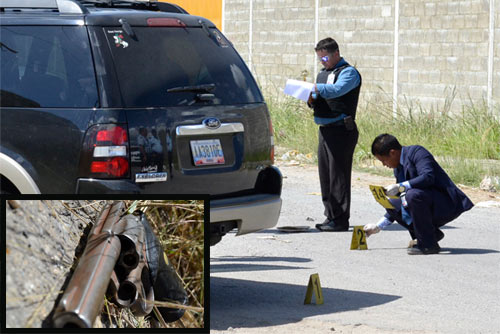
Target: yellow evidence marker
358,238
380,196
314,286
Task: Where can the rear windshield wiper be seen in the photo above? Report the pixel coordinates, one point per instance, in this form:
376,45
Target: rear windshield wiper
207,88
2,46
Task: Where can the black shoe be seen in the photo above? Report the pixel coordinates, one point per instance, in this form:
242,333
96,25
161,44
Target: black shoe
332,227
439,236
326,222
423,251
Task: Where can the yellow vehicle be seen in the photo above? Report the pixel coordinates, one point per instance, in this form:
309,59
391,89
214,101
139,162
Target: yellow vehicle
211,9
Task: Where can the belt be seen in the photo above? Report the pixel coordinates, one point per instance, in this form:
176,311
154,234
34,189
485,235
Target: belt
334,124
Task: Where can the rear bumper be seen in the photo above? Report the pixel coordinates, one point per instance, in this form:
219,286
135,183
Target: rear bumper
98,186
251,213
248,213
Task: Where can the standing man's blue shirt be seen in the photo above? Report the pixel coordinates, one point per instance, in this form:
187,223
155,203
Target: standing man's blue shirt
347,80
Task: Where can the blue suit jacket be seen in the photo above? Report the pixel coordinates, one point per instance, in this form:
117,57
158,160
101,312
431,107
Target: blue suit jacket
423,172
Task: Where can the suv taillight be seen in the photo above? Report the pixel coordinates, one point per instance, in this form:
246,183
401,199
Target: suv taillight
271,130
106,151
115,167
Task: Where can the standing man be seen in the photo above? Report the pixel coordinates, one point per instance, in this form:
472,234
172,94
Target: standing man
334,100
428,197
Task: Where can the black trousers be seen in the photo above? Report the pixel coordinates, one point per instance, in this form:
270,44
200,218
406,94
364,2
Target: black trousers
426,218
335,152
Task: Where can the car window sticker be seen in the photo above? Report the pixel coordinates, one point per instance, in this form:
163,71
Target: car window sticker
118,38
219,39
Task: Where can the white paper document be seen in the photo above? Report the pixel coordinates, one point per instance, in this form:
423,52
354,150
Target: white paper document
298,89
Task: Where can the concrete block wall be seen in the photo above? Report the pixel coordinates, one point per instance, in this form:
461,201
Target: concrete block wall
236,24
283,33
496,52
365,34
443,46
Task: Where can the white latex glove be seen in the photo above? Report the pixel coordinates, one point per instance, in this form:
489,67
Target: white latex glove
392,190
371,229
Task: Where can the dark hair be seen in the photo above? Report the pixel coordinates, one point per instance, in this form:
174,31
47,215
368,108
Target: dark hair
327,44
384,143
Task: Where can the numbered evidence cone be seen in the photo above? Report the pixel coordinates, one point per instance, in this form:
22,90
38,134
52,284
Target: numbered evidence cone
358,238
314,286
167,285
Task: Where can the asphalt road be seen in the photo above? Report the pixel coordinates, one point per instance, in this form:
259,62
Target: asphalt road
259,281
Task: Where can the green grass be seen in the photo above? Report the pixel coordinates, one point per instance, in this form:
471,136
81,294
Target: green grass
293,124
466,143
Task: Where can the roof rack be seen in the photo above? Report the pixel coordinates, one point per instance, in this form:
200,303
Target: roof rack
62,6
80,6
135,4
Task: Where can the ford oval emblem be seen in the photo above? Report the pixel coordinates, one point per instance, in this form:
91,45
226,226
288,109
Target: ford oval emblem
212,123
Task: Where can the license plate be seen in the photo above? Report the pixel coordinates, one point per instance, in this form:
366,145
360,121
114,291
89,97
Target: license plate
207,152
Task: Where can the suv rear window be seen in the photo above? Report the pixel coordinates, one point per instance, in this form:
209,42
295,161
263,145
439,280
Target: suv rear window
46,66
162,58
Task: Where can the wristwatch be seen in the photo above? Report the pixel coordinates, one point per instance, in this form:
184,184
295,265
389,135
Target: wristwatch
402,189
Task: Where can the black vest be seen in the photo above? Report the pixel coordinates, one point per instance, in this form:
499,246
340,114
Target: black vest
345,104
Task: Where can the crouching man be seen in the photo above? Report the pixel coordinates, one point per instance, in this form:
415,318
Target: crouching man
428,199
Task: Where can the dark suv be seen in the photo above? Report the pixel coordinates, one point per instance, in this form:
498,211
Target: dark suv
110,96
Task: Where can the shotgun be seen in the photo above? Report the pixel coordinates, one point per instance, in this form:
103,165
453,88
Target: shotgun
122,260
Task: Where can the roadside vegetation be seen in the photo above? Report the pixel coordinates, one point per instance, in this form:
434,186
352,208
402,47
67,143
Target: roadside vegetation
179,226
180,230
466,143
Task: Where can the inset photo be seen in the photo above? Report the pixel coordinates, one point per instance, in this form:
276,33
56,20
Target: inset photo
105,264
